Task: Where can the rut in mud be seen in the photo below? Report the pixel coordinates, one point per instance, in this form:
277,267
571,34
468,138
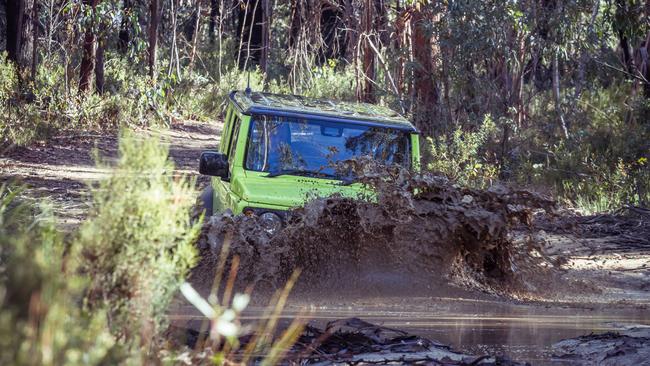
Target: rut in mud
419,225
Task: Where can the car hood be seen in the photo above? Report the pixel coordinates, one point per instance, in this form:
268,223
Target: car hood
293,191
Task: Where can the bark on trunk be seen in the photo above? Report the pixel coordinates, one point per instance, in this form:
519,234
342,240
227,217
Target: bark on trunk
368,63
426,92
88,55
214,14
22,26
154,20
35,28
195,33
557,96
27,38
124,36
645,59
267,19
99,67
15,11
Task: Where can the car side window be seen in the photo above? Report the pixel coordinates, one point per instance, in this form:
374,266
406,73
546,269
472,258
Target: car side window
225,136
233,138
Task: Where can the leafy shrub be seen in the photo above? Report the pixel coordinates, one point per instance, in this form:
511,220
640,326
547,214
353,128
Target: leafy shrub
604,163
137,245
41,320
330,82
459,157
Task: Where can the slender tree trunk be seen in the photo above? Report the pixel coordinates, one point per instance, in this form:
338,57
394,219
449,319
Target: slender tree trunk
645,50
214,13
88,55
195,34
584,57
352,31
426,94
35,28
174,62
241,34
557,96
99,66
124,37
154,20
15,12
400,27
22,26
26,51
251,27
368,62
220,34
267,19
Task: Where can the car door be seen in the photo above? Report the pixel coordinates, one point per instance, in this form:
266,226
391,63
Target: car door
222,190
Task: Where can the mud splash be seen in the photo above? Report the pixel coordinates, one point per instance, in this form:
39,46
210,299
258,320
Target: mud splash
419,225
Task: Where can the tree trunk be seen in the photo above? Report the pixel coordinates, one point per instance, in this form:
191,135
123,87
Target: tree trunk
154,20
267,19
34,55
124,37
195,34
99,66
426,92
645,65
214,13
26,51
368,62
15,11
399,29
557,96
88,55
22,28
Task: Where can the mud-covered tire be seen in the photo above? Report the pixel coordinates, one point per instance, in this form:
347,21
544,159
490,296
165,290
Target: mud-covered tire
207,201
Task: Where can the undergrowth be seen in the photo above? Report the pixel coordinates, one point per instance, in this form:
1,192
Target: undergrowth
137,245
100,295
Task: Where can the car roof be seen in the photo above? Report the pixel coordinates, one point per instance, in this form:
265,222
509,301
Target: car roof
332,110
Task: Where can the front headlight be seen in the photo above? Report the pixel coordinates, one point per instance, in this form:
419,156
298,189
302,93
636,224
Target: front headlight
271,222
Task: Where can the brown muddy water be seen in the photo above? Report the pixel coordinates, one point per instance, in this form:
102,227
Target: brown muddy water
451,264
521,332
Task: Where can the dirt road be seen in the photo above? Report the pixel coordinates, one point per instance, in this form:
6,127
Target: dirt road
62,169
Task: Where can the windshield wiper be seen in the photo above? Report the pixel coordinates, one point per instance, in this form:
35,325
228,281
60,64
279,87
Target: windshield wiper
300,172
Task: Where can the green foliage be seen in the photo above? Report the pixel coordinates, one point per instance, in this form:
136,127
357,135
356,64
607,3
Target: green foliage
330,82
137,245
604,165
51,104
8,79
462,156
41,321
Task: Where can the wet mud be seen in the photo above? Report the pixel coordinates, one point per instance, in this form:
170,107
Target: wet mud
630,347
418,230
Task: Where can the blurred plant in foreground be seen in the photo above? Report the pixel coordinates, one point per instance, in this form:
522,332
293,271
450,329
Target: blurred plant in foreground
220,334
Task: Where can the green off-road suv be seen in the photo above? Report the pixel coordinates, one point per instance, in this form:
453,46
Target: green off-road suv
277,151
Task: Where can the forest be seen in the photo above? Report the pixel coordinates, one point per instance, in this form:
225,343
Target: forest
551,96
550,93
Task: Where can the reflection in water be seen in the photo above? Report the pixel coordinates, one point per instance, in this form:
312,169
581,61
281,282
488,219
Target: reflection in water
521,332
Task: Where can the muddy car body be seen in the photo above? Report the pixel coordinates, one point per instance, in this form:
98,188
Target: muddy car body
277,151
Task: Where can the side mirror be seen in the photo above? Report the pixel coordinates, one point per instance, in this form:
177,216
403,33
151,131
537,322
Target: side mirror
214,163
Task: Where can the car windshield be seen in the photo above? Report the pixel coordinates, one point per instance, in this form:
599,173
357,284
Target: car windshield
314,147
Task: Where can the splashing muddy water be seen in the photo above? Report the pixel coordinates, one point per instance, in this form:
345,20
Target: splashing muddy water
417,229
